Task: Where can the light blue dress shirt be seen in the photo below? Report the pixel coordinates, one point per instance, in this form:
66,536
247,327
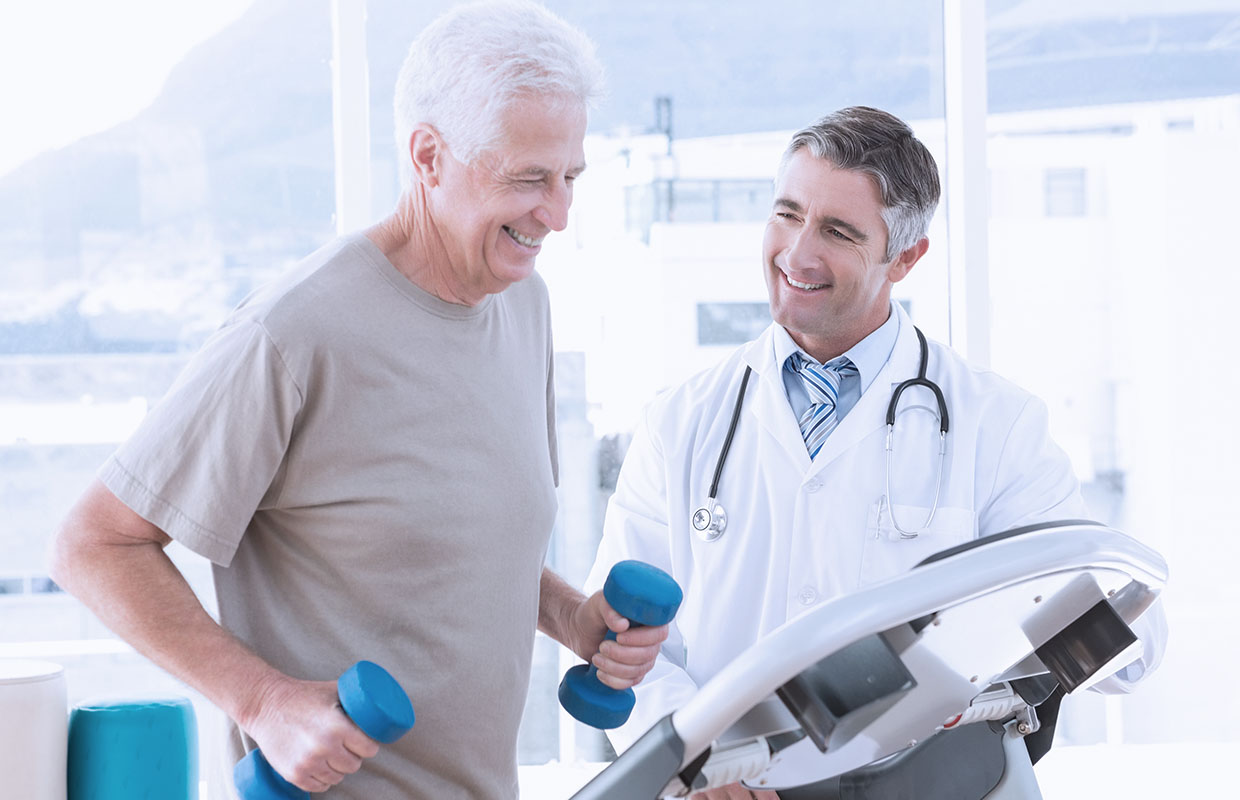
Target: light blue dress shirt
869,356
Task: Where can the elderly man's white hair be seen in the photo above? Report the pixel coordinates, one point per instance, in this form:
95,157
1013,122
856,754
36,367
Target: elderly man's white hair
472,62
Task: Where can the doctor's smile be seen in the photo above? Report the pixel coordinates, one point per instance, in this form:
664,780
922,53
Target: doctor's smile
811,287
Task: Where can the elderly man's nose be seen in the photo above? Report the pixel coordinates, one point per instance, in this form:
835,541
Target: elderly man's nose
553,211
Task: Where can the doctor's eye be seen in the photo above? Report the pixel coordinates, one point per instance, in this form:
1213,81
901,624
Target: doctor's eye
838,235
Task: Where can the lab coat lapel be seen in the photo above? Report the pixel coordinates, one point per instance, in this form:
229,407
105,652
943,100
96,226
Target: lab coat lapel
767,401
870,412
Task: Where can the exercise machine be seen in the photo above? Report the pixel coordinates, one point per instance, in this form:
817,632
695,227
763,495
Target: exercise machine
943,682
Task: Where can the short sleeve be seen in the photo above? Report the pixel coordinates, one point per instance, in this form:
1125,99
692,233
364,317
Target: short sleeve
209,453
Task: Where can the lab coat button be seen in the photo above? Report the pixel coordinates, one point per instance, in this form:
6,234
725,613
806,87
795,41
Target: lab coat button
808,596
813,485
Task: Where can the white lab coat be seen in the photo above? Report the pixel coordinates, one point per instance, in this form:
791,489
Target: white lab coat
800,532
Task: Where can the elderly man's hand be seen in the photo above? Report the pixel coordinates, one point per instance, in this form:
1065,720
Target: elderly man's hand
305,736
626,660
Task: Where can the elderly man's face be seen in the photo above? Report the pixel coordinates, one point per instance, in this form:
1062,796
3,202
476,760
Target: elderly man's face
495,212
824,255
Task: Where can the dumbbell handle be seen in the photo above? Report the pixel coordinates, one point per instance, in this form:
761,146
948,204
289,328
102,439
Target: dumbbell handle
611,636
370,697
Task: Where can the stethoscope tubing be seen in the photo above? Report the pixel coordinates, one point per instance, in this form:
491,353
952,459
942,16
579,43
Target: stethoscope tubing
710,520
920,380
727,441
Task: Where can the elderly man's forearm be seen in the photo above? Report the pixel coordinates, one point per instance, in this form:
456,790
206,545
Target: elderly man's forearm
136,590
557,602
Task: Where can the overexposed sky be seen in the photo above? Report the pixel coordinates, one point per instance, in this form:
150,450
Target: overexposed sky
70,68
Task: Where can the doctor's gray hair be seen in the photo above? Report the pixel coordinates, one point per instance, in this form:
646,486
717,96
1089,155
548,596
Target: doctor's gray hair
474,61
882,146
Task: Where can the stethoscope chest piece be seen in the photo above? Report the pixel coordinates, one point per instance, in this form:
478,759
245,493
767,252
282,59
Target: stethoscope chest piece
710,522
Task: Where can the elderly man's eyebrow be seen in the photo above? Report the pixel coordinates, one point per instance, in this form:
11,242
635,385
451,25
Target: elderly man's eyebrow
854,233
543,172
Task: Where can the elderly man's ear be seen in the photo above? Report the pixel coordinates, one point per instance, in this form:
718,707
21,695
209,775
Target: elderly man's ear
426,150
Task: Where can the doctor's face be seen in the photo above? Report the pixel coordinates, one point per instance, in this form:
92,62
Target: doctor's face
824,256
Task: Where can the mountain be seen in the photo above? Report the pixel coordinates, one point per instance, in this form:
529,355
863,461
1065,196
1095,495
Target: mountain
228,174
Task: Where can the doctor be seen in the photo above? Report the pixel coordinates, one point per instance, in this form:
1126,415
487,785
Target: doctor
813,507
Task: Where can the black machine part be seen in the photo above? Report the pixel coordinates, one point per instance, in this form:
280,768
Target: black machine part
643,770
958,764
1079,651
866,677
996,537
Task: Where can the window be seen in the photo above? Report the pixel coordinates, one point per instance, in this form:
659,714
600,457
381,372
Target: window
168,160
736,200
661,263
124,239
1113,319
731,323
1065,192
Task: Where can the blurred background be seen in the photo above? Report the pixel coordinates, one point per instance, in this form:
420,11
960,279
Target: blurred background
160,160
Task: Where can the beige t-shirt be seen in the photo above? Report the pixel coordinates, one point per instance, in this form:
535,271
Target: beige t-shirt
372,472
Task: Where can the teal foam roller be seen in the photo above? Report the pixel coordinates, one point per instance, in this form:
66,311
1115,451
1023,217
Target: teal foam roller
133,750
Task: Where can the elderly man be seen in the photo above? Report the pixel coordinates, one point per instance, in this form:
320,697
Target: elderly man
812,510
366,450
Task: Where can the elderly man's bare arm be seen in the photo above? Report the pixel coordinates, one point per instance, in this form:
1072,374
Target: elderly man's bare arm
114,562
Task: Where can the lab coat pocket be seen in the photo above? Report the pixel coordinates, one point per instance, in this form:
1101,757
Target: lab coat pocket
887,552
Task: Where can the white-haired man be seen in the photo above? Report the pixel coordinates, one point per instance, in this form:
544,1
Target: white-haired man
366,450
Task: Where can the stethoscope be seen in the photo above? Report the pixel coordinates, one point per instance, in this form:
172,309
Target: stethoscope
711,520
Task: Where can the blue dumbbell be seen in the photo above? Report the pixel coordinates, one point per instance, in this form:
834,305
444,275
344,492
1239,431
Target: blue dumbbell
370,696
644,595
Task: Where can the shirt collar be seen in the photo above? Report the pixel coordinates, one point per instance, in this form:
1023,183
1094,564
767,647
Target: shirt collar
868,355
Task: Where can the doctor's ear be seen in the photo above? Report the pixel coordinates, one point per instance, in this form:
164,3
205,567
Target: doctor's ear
902,264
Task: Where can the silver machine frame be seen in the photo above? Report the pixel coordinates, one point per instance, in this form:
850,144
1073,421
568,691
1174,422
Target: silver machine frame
849,691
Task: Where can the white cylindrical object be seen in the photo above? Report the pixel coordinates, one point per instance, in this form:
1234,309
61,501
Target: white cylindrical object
34,729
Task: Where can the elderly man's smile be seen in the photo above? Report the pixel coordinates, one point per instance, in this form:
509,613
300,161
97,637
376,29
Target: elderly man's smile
522,239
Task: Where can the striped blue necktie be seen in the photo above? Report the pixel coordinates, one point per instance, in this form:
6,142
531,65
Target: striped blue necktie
823,384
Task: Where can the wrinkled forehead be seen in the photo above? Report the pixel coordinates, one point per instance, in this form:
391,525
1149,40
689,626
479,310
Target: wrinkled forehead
804,159
809,180
546,133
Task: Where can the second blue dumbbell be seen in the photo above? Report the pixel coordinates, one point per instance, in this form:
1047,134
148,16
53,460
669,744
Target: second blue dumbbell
370,696
644,595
